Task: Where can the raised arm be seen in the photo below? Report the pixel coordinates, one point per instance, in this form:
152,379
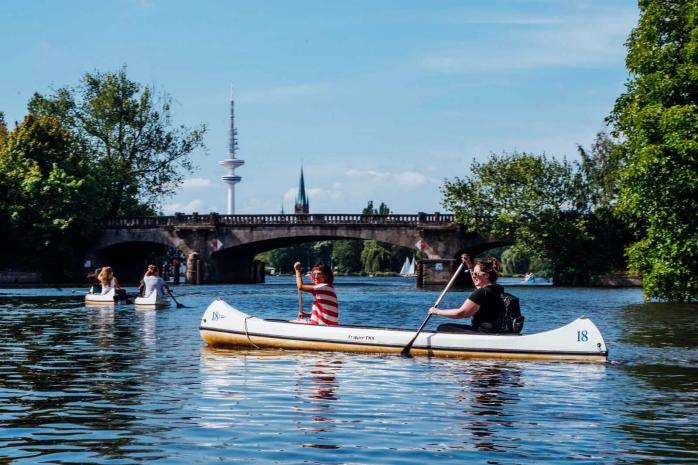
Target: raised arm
299,279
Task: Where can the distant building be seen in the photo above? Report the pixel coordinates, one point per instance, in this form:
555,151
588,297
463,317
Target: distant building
231,162
302,205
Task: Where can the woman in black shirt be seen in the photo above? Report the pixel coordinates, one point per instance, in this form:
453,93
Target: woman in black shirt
484,305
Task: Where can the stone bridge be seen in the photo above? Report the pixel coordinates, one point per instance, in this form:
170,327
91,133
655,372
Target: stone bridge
227,244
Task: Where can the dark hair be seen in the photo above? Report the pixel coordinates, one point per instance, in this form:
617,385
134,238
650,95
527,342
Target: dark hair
326,270
490,266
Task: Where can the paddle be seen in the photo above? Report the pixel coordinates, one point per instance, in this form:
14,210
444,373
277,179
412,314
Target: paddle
175,300
300,303
406,351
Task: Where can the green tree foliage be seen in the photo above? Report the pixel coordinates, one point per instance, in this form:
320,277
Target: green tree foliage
516,260
346,256
50,199
541,204
658,118
381,210
3,128
376,257
139,156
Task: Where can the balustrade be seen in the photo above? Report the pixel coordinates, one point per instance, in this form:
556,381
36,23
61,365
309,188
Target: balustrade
214,219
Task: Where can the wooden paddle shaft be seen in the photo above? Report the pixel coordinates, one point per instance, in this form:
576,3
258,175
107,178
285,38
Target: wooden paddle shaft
407,348
300,304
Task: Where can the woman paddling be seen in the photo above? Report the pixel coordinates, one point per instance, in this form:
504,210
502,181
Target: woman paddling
108,280
325,309
485,304
152,281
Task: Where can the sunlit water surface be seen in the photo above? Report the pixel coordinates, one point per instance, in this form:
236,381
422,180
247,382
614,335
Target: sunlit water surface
119,385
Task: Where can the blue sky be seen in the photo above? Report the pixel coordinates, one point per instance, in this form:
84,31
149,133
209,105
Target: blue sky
379,100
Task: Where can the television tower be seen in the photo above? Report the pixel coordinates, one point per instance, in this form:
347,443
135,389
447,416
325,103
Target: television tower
231,162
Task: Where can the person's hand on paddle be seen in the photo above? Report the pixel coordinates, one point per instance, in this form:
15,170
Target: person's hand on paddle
433,311
299,283
465,258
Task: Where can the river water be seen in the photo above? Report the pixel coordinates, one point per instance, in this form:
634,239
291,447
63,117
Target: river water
120,385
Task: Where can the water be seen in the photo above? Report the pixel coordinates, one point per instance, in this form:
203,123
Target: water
119,385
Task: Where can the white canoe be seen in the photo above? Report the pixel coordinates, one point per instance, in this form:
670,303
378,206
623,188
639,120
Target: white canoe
225,326
101,299
154,300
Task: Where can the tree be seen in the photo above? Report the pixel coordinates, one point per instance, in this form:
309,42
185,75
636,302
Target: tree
540,204
346,256
381,210
658,118
3,128
375,256
49,197
128,131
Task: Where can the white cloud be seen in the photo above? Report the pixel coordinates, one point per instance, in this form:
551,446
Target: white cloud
196,205
593,40
404,179
291,194
320,193
198,183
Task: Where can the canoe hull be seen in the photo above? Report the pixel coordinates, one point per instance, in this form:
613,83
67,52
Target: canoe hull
224,326
101,299
154,300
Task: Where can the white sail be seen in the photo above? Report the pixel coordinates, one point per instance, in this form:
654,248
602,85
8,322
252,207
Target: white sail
410,270
405,267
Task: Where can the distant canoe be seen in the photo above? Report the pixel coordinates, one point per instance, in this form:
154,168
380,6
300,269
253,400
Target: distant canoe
224,326
154,300
108,298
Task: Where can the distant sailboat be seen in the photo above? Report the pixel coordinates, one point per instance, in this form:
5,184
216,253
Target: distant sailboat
405,267
408,267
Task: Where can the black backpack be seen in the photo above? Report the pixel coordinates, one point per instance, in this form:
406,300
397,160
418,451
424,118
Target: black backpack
512,321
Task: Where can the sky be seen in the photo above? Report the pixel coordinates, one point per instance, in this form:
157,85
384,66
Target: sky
376,99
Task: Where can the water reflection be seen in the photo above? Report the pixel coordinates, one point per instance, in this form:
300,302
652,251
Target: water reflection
65,375
661,325
487,393
315,391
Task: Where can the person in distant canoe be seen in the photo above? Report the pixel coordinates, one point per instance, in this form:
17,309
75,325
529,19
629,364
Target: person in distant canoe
108,280
152,281
484,305
325,309
93,279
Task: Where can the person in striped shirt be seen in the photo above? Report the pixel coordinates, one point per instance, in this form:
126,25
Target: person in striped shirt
325,309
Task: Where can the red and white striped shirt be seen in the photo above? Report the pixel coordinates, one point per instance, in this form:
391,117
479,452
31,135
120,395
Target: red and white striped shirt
325,307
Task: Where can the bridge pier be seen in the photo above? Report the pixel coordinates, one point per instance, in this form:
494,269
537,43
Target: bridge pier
435,273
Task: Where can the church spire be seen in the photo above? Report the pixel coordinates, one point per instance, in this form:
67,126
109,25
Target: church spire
302,205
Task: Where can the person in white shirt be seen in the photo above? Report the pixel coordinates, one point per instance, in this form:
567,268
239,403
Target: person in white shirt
152,281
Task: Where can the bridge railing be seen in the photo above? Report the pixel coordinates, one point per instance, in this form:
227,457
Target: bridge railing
215,219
